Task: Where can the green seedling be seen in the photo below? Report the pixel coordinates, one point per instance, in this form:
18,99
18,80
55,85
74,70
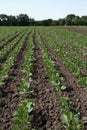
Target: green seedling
23,115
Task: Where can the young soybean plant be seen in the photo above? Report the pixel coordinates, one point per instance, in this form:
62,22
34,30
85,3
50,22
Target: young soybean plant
70,121
23,115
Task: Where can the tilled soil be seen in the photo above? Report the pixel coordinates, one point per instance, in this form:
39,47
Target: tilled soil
9,97
78,30
74,91
47,112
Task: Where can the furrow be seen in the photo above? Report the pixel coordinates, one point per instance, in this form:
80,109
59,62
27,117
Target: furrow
47,112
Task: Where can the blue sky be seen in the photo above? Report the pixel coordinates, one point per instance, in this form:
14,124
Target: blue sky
44,9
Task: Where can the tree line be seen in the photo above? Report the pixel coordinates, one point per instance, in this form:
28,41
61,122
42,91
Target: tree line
25,20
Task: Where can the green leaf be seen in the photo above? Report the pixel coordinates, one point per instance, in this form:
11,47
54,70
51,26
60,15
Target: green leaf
63,87
70,116
54,83
30,106
64,119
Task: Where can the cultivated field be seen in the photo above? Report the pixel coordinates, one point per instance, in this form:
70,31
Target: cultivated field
43,78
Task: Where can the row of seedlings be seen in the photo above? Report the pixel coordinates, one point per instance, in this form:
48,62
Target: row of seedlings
76,65
10,45
10,61
7,33
23,115
67,38
6,41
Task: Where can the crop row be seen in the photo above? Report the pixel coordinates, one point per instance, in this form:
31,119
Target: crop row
8,37
10,60
9,46
76,64
22,116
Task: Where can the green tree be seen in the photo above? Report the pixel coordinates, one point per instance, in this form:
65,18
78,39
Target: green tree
69,20
61,22
84,20
77,20
12,21
3,20
47,22
23,20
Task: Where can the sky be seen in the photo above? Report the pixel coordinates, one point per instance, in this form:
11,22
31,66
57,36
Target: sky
44,9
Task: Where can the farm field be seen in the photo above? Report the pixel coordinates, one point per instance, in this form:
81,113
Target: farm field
43,78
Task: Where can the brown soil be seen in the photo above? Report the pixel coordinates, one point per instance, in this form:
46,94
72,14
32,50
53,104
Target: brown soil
78,30
9,97
47,113
74,91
